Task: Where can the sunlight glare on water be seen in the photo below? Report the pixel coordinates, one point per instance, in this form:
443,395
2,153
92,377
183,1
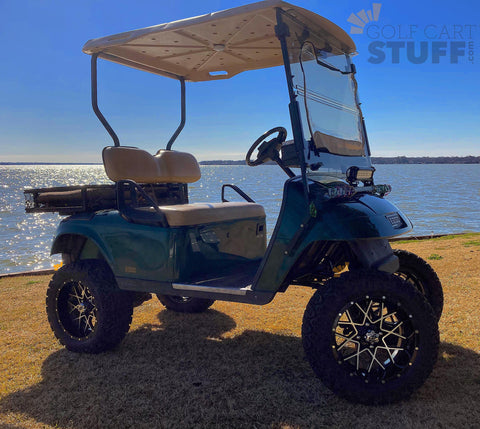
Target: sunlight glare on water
26,238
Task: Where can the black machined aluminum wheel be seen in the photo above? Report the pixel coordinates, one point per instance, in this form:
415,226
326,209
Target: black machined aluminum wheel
87,311
76,309
375,339
371,337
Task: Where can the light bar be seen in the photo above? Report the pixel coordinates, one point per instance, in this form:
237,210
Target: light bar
341,191
355,174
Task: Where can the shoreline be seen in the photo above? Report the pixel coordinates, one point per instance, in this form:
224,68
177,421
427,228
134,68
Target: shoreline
399,159
28,273
49,271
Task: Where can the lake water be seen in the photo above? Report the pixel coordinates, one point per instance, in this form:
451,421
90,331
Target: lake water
439,199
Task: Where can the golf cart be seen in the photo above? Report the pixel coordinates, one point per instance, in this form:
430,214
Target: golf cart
370,329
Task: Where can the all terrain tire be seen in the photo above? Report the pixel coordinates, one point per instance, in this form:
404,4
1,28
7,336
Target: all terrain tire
371,337
185,304
419,273
86,310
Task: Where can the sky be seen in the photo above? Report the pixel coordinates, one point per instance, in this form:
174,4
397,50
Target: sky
413,105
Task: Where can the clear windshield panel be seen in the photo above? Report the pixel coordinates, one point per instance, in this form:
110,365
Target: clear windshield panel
329,105
327,95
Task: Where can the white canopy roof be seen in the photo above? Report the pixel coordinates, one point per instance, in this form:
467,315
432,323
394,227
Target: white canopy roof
218,45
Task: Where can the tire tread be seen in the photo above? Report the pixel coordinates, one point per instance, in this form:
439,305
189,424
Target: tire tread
115,305
324,305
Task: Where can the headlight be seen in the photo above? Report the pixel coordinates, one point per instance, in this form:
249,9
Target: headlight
355,174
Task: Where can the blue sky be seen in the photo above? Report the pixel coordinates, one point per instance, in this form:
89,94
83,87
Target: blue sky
45,114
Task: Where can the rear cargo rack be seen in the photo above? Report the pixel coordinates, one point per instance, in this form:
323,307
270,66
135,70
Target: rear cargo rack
68,200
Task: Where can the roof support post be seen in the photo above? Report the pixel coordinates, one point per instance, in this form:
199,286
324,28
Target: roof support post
99,114
282,32
183,117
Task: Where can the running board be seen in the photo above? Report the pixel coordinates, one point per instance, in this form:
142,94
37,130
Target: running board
241,293
211,289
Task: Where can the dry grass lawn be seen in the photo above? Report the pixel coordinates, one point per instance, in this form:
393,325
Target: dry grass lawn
234,366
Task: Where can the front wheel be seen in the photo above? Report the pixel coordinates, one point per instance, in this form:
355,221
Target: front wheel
87,311
371,337
420,274
185,304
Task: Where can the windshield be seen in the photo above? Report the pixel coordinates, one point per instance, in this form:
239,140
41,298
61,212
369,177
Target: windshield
329,107
326,91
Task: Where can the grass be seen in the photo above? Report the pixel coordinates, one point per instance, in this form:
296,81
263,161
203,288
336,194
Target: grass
435,256
233,366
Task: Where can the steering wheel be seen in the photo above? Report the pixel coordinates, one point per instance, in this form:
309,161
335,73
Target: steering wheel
267,150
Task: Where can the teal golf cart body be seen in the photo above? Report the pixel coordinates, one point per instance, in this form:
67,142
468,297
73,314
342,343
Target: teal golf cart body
148,257
141,235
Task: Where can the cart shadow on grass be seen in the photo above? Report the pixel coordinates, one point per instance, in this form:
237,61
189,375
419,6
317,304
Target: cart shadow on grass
186,372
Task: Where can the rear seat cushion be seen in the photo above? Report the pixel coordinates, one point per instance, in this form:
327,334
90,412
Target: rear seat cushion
177,167
129,163
167,166
202,213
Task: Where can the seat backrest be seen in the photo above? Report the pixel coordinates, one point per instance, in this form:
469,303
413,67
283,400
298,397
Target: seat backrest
167,166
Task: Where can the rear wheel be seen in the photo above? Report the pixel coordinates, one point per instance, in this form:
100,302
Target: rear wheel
185,304
86,310
416,271
371,337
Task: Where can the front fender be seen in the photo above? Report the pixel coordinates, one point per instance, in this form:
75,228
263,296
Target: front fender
362,217
366,216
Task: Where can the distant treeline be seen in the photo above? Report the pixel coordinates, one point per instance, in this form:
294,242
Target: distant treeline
426,160
223,162
50,163
375,160
385,160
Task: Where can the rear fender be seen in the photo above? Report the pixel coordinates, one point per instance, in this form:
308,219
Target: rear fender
76,247
77,242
